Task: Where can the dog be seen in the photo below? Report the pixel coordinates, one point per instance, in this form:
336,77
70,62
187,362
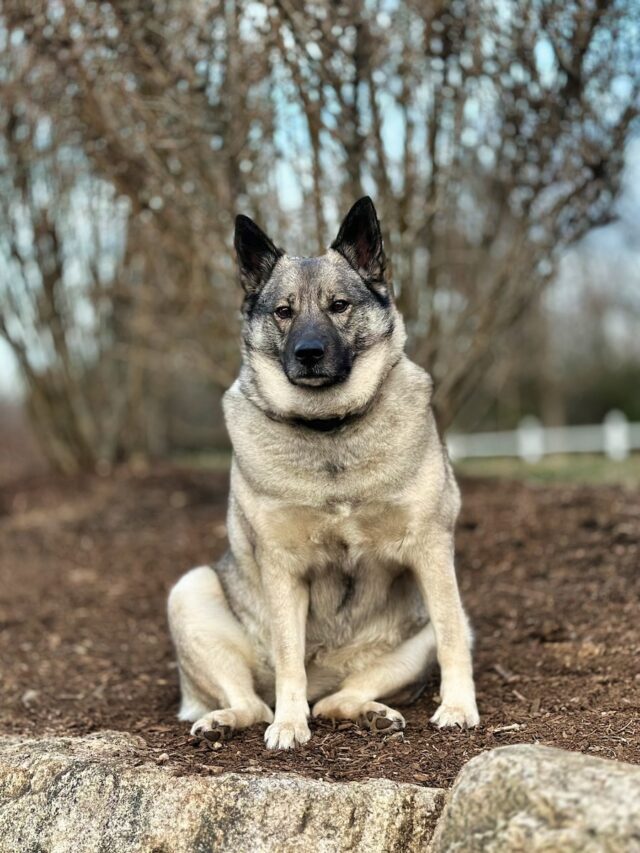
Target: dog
339,587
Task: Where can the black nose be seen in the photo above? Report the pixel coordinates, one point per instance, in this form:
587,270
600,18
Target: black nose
309,351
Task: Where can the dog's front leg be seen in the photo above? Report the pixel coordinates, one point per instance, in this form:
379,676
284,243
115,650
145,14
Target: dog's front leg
434,567
287,596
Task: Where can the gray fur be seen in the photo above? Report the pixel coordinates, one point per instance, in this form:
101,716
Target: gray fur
339,584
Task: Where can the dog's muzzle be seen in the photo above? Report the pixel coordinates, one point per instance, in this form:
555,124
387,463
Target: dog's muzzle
315,359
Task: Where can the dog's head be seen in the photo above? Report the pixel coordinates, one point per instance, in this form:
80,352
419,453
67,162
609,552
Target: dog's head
319,333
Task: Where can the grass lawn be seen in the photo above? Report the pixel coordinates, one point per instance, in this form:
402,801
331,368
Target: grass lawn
566,468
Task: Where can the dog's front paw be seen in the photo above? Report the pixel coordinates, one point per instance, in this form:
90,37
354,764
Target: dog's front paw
463,714
285,734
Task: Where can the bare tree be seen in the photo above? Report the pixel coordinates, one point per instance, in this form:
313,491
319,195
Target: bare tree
491,135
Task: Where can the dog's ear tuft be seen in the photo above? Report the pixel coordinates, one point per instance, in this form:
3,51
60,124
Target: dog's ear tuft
257,255
359,241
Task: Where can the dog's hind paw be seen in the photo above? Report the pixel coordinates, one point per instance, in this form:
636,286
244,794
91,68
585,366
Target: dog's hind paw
215,727
381,719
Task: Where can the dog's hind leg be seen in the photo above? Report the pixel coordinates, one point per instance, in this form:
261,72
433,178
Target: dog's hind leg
215,659
385,676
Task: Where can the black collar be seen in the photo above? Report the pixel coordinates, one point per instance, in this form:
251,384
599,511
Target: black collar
325,424
317,424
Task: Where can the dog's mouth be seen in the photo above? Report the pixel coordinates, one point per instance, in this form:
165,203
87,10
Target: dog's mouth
316,380
325,373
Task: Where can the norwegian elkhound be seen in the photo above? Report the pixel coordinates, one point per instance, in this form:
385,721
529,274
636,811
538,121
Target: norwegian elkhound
339,587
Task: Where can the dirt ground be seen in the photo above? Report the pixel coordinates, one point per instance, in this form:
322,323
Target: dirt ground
550,576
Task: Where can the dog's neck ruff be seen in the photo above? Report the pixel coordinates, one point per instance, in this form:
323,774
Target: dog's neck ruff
327,424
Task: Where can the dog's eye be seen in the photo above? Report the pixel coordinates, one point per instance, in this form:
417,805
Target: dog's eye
338,306
284,312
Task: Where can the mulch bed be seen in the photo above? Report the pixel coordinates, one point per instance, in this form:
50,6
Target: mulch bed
550,577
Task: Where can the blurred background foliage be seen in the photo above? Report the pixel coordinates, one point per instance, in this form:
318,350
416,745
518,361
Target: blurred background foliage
492,135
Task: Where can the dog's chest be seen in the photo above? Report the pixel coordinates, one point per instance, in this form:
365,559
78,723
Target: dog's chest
343,532
357,577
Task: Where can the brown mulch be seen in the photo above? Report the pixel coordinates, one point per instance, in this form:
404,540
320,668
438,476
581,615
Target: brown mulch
550,576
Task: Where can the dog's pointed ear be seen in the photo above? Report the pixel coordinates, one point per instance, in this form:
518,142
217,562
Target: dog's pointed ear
257,254
359,241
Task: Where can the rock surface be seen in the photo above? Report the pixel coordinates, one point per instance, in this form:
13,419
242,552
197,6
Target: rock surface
101,794
531,799
95,795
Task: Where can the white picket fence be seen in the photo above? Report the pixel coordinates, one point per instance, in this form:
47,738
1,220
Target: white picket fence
616,437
